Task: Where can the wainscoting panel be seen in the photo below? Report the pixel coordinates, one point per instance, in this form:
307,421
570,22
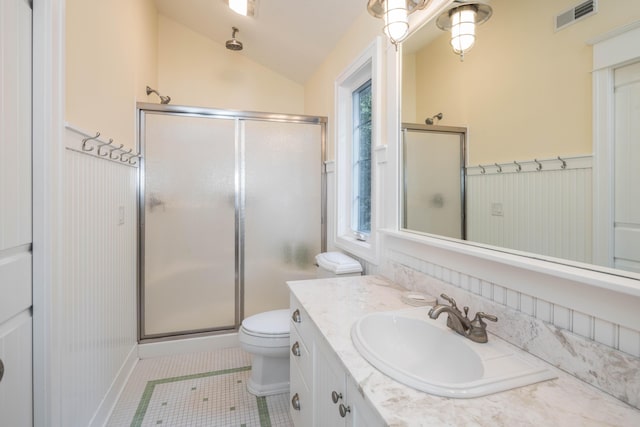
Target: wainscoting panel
97,300
546,212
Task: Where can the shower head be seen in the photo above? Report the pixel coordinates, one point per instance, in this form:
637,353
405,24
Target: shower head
163,99
234,44
429,120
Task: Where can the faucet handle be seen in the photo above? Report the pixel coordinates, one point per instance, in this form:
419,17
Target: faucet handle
449,299
481,315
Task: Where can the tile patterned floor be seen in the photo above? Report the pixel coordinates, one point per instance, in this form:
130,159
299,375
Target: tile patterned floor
201,389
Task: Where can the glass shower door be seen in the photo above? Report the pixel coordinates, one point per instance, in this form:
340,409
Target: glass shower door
189,221
283,209
433,181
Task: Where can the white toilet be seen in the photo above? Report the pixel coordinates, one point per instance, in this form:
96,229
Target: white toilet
266,335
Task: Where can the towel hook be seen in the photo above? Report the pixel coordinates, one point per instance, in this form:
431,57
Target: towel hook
114,149
564,164
483,171
134,157
124,153
499,167
518,167
539,168
84,142
102,144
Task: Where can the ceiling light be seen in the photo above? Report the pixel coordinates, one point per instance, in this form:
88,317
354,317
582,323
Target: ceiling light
395,14
242,7
462,19
239,6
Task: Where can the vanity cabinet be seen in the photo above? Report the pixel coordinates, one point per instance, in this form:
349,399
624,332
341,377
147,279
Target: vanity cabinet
322,393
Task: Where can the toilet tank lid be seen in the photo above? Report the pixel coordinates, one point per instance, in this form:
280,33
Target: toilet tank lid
338,263
270,322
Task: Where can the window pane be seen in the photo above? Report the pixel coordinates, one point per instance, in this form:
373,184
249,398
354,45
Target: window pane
361,213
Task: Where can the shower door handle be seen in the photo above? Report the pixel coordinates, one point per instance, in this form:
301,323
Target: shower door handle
1,370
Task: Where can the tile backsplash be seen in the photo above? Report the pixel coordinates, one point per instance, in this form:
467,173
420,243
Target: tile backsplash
598,352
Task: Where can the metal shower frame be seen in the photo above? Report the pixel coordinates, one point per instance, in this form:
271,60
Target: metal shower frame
236,115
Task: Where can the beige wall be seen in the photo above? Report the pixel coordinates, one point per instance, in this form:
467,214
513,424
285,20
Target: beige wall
319,89
111,56
194,70
524,90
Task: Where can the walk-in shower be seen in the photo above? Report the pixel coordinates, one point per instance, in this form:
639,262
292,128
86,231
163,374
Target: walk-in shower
433,179
232,205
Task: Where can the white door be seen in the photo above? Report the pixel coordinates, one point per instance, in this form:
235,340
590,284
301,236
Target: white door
627,173
15,214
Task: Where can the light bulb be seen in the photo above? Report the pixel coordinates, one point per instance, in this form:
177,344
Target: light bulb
396,23
463,30
239,6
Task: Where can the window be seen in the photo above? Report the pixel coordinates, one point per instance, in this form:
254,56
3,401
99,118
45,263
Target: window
357,132
361,162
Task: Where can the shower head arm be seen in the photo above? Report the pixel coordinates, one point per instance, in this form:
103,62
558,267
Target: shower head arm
163,99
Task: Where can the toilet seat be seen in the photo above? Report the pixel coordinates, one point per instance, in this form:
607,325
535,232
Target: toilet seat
270,324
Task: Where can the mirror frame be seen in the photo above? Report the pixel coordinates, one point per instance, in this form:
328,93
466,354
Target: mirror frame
626,282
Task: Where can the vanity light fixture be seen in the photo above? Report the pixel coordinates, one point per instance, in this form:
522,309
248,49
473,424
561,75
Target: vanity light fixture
462,19
242,7
396,15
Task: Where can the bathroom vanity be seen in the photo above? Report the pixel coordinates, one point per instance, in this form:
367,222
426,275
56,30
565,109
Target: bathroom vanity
333,385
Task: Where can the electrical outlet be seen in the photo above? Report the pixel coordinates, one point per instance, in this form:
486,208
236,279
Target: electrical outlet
496,209
121,215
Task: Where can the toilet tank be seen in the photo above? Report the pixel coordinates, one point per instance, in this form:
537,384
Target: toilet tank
337,264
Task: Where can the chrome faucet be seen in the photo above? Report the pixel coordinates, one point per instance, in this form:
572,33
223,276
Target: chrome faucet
475,330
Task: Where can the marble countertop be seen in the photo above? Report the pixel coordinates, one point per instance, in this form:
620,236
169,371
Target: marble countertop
335,304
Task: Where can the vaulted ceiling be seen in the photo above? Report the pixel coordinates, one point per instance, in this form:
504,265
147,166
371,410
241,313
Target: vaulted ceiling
291,37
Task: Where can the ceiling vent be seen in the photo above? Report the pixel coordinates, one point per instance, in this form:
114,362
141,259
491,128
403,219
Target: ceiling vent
576,13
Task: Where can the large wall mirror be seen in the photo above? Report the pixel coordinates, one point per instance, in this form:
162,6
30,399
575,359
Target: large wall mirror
524,93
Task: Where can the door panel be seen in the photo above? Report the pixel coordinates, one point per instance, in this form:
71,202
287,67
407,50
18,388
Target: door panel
627,173
16,401
283,224
189,224
433,183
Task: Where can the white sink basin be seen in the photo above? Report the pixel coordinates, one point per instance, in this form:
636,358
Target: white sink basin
424,354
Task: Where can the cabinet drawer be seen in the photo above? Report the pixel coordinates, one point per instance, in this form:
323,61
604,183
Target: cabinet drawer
301,356
301,320
300,394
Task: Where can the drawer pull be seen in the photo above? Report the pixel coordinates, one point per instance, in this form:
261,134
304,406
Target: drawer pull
344,410
335,396
295,402
296,316
1,369
295,349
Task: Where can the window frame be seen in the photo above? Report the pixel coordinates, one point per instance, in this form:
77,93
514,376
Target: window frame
367,66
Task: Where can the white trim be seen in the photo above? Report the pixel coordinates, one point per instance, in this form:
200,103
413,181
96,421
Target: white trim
617,47
367,65
188,345
613,50
108,403
48,120
555,282
380,153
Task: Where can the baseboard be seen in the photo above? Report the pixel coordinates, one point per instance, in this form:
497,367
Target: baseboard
109,401
187,345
